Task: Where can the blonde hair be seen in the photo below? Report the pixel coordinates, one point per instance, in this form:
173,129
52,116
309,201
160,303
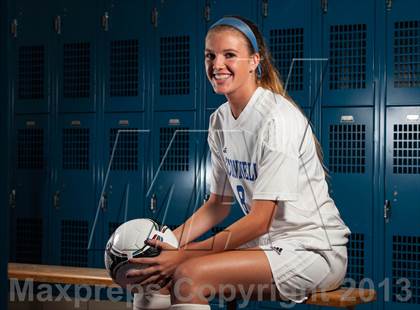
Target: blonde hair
270,77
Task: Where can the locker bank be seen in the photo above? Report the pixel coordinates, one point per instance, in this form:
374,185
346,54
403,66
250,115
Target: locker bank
105,108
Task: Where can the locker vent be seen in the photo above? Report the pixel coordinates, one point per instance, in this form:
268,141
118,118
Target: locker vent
406,153
76,70
177,158
175,65
74,242
29,240
406,269
76,148
347,56
31,72
356,258
30,148
407,54
347,148
124,70
112,226
286,45
126,156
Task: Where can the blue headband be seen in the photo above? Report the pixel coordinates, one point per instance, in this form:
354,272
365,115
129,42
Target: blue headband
245,29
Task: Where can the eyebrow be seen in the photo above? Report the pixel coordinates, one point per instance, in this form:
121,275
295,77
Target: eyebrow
226,50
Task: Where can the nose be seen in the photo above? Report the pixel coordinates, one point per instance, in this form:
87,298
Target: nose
218,62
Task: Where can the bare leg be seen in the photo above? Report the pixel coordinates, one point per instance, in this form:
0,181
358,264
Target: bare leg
239,273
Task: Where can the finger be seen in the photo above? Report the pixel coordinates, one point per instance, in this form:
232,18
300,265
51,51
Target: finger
154,243
159,244
142,272
144,260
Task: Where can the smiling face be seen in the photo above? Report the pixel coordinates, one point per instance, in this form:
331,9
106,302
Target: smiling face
229,64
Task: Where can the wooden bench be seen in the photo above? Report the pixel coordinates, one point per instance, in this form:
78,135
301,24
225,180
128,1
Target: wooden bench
60,274
347,298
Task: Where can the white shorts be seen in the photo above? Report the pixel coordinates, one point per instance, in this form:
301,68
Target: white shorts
297,272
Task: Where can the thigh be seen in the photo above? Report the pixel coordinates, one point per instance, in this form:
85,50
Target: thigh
245,271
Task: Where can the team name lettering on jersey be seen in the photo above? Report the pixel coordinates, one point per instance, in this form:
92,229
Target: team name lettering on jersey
241,169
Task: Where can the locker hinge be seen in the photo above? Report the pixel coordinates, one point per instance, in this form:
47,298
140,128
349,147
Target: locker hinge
265,8
388,4
12,199
155,17
207,11
153,203
56,200
324,6
105,21
387,210
13,28
57,24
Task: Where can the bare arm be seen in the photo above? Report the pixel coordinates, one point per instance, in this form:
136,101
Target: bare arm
211,213
249,227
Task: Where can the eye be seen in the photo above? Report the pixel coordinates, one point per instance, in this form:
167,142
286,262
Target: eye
209,56
230,55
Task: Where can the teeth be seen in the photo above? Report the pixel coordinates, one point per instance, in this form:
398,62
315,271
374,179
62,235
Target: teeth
221,76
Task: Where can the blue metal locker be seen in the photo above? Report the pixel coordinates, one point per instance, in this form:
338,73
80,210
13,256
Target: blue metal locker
403,53
348,41
77,26
347,140
32,52
73,192
216,9
175,188
287,27
30,182
402,212
127,143
176,46
127,27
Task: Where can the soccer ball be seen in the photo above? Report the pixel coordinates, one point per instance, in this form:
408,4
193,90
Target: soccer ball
128,242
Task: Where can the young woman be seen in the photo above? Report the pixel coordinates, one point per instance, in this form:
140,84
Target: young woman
291,238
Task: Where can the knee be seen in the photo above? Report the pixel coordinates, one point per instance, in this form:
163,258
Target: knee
187,278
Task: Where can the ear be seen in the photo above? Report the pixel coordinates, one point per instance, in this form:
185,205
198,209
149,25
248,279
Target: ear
255,61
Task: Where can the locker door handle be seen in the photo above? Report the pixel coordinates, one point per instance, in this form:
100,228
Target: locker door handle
104,201
14,28
12,199
105,21
56,200
388,5
57,24
153,203
387,210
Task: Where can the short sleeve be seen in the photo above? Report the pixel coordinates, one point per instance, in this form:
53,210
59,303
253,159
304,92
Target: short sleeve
219,181
278,163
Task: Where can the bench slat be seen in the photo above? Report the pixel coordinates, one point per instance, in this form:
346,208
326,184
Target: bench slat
59,274
342,298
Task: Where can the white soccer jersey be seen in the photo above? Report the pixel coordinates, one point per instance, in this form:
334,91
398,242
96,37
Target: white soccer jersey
268,153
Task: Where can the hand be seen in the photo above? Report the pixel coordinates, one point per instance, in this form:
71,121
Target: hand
161,267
